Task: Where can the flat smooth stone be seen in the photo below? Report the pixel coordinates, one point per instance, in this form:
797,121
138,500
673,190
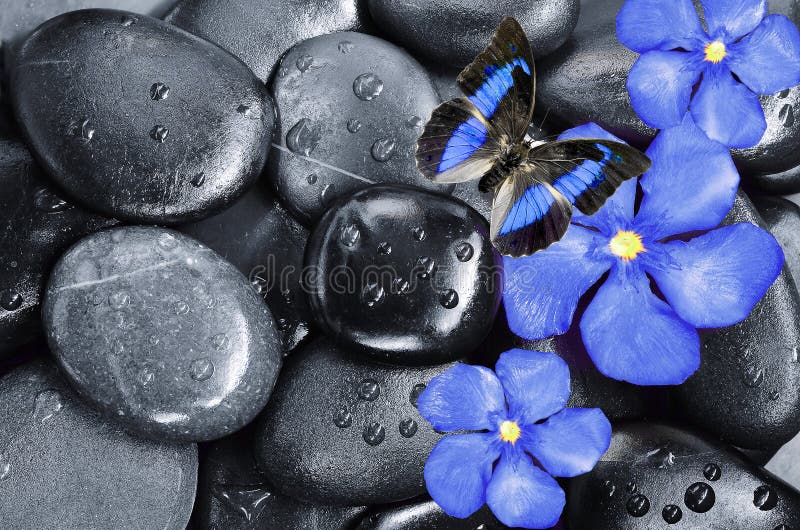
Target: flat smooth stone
747,389
660,476
404,275
350,110
455,31
144,121
342,431
782,218
65,467
266,244
161,333
232,495
38,225
259,32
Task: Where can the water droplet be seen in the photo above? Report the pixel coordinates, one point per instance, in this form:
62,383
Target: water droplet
425,267
699,497
302,138
784,93
47,404
354,125
631,487
373,294
400,286
328,195
304,62
167,241
5,466
46,201
464,251
220,341
283,71
350,235
159,91
661,458
408,428
367,86
638,505
181,308
671,513
159,133
753,375
312,178
385,248
247,111
415,393
374,433
765,498
774,395
369,390
198,180
610,487
419,233
712,472
343,419
448,299
146,376
345,46
288,296
202,369
119,299
128,21
248,502
786,115
413,122
383,149
83,128
10,300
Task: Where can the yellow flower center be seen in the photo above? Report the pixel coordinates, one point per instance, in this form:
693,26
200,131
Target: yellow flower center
715,51
626,245
509,431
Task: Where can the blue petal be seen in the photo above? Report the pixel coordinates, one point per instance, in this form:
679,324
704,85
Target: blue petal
633,336
768,60
541,291
463,398
727,111
716,279
523,496
458,471
570,443
733,18
644,25
660,86
536,384
691,185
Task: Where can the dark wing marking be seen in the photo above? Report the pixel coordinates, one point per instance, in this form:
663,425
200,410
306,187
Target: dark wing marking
587,171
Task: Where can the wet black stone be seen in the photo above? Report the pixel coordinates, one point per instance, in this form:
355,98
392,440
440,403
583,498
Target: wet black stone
455,31
259,32
679,492
161,333
38,225
350,110
266,244
433,298
304,452
746,389
232,495
82,91
426,515
782,218
63,466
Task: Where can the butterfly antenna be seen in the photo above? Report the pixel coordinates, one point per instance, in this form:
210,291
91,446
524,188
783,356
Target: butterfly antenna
320,163
546,114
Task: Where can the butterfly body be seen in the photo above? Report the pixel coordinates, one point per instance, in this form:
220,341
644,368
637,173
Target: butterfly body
535,184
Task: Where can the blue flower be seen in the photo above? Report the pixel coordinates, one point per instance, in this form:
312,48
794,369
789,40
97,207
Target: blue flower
705,278
718,72
505,413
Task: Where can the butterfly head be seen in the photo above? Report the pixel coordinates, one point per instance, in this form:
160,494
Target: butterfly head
514,155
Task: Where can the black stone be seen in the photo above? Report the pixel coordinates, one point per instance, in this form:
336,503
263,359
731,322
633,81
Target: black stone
675,490
259,32
316,439
426,515
82,88
350,110
161,333
63,466
455,31
266,244
38,225
404,275
782,218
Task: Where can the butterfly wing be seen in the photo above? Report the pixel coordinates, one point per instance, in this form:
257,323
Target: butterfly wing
587,171
501,81
528,215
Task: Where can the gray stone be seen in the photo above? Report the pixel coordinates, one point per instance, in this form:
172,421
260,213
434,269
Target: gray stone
258,31
342,431
350,110
138,119
455,31
782,218
64,467
161,333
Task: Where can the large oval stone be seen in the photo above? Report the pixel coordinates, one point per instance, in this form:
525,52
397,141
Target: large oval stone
404,275
350,110
143,121
159,331
338,430
660,476
260,32
63,466
455,31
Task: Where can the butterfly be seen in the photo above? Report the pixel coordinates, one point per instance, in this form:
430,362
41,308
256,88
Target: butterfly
535,184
